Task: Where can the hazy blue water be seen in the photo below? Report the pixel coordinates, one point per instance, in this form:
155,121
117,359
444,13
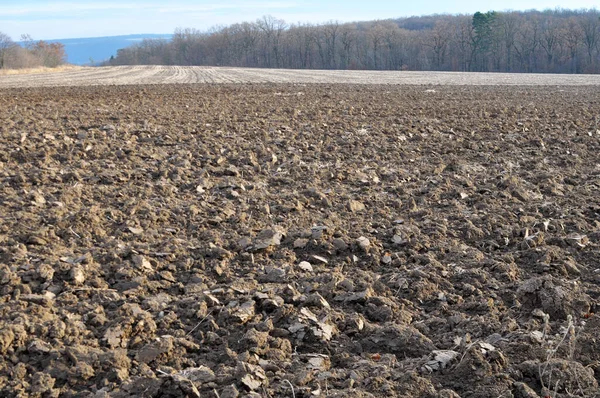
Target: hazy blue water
86,51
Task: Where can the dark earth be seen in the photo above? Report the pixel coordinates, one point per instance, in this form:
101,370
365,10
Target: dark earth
300,241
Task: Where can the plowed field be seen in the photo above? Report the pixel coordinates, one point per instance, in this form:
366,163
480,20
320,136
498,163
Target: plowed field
298,240
122,75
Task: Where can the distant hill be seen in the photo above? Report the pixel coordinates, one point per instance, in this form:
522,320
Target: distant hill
92,50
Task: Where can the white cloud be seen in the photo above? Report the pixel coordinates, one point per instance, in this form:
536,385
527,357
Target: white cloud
220,7
67,9
53,20
61,8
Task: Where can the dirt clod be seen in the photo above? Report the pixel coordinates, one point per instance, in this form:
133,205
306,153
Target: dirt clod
242,240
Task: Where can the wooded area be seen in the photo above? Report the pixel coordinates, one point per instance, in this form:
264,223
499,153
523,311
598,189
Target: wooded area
550,41
32,54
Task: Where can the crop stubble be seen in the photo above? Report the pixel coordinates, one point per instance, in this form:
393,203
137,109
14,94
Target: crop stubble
131,75
340,240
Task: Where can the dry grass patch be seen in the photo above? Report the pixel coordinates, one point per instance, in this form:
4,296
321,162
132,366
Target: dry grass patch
41,69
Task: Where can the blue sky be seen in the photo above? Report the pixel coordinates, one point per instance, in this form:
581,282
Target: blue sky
72,19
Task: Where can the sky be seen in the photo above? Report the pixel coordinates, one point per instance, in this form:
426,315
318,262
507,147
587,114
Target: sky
64,19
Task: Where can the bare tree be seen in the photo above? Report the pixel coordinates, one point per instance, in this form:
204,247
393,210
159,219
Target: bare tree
549,40
272,29
187,48
393,40
508,23
301,40
590,26
376,38
6,44
249,37
331,31
526,44
438,40
51,54
27,41
347,38
573,37
464,39
533,41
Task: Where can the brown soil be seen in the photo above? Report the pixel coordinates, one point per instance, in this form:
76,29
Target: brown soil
286,240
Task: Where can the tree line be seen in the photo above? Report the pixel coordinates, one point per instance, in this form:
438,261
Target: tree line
31,54
550,41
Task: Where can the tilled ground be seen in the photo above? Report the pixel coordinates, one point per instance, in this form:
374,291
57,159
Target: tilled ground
158,74
287,240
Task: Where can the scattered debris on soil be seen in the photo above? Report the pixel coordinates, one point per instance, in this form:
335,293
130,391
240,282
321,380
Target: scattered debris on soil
245,241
